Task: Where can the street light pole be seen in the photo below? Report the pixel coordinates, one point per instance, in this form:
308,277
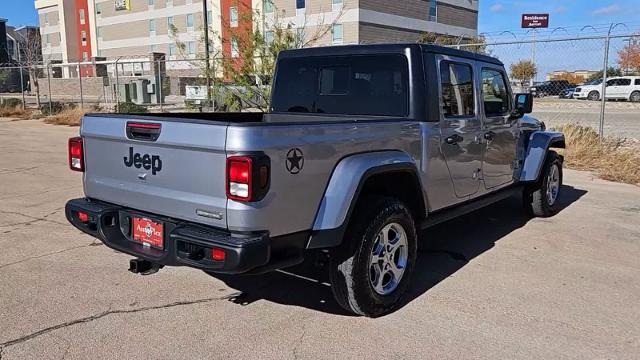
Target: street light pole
206,49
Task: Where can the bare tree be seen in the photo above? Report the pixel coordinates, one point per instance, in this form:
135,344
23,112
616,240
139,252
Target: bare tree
30,56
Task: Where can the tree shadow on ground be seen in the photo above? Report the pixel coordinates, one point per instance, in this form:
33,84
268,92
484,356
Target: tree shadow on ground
443,250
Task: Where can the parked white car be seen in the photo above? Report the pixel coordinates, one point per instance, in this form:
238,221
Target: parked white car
621,88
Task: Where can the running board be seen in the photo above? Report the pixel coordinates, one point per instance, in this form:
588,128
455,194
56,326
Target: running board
447,214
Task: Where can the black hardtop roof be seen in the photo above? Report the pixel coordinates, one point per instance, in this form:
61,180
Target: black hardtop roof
342,50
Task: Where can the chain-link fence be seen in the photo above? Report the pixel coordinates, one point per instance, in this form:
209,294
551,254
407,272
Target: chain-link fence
566,76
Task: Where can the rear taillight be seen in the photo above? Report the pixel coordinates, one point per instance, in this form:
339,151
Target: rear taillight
247,177
76,154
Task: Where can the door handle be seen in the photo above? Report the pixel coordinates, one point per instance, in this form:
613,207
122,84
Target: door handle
489,135
454,139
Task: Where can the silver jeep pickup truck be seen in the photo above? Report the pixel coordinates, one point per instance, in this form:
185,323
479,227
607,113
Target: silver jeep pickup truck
363,148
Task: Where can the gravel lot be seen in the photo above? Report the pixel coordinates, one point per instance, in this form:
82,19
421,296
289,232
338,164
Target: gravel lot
622,118
492,284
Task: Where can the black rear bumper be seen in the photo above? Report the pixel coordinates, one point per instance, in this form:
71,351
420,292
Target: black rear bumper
185,244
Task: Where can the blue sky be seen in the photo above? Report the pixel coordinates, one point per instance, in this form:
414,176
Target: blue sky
495,15
19,12
499,15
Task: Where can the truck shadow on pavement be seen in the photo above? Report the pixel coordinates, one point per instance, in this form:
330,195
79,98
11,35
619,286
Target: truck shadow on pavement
443,250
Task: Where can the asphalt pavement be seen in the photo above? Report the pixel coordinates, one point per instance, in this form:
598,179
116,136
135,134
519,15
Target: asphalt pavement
492,284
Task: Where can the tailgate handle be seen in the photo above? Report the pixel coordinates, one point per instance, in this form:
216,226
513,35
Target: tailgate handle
143,131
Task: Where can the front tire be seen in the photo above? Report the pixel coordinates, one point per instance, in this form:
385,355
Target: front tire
593,96
371,270
541,200
635,96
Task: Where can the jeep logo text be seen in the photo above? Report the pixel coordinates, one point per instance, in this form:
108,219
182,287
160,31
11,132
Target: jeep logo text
146,161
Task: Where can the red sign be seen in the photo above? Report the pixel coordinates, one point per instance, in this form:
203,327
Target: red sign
148,232
535,21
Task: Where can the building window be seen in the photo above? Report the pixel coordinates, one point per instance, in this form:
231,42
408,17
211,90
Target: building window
152,25
169,3
210,17
98,8
170,24
336,2
234,48
189,20
191,47
336,31
433,10
172,49
300,4
153,48
268,7
47,40
82,19
99,31
268,37
83,35
46,19
233,16
85,56
151,2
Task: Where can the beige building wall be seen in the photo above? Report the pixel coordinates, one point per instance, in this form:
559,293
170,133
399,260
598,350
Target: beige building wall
49,23
130,32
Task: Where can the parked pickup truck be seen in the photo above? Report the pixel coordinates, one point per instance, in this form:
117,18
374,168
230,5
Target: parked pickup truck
363,147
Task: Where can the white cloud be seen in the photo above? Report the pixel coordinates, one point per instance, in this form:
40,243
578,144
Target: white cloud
561,9
606,10
496,7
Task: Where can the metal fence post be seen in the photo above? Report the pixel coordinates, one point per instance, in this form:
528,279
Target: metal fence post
24,101
605,65
117,92
49,85
159,84
81,92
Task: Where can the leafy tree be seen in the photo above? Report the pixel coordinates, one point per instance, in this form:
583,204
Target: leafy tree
611,72
523,70
629,57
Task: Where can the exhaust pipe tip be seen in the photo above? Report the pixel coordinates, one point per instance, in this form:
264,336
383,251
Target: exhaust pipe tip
143,267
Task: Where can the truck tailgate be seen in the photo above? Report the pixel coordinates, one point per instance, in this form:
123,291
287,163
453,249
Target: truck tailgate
180,174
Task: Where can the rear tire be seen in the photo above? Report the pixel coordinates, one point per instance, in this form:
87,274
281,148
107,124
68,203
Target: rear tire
371,270
635,96
541,200
593,96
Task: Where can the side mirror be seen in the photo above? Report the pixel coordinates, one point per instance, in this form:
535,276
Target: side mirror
524,103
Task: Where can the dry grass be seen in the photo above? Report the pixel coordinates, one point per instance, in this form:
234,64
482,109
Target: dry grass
15,112
70,117
610,158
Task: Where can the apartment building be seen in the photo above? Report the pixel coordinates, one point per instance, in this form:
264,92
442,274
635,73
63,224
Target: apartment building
76,30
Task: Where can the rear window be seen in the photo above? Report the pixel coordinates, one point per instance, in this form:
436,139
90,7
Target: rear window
351,85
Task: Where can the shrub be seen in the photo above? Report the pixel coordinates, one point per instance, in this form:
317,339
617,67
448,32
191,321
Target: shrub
69,116
11,103
55,108
131,108
609,157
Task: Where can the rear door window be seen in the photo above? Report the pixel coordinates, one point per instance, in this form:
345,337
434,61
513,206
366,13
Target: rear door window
350,85
624,82
456,81
637,81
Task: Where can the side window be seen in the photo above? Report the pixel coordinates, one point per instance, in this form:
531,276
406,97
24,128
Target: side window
457,89
624,82
637,81
495,96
